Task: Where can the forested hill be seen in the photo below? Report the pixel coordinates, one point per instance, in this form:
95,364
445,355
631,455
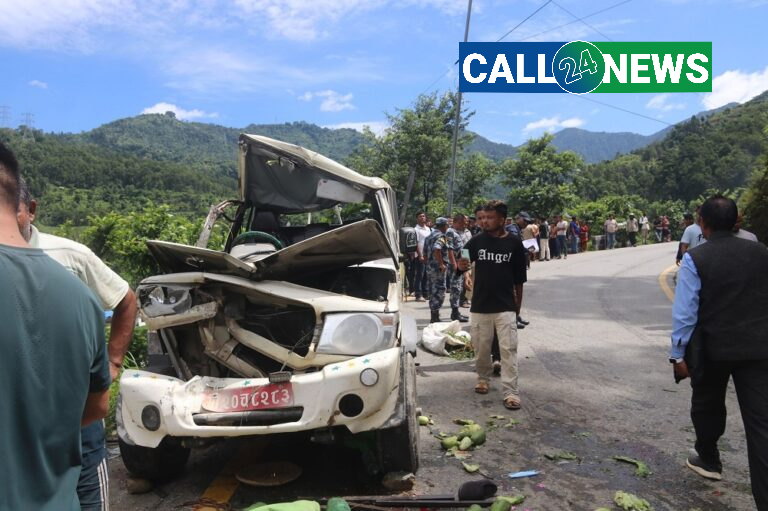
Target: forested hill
156,158
598,146
163,137
718,152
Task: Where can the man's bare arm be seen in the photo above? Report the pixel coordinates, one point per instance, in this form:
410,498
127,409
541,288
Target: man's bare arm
123,321
518,297
96,407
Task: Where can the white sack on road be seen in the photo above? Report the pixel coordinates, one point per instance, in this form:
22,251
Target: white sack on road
436,336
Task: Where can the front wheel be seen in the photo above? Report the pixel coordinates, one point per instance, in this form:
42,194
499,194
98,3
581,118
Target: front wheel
161,463
398,447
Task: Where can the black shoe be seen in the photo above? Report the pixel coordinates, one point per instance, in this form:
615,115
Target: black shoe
521,320
434,316
712,471
520,326
455,314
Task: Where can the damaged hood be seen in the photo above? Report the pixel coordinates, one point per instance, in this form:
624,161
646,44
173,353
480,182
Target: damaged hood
345,246
286,178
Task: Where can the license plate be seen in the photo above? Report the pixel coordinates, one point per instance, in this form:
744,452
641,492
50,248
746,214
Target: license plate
274,395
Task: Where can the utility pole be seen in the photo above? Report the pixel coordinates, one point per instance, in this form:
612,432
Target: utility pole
28,124
456,123
5,116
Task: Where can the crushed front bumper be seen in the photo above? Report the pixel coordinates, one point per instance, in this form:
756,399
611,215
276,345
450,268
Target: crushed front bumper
316,404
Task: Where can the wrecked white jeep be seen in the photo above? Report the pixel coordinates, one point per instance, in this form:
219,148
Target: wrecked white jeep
294,327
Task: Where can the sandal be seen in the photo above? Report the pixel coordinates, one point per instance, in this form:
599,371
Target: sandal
512,403
481,387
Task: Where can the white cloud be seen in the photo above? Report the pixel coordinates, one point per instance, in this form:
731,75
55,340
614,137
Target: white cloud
184,115
735,86
378,127
552,123
38,84
659,102
301,20
332,101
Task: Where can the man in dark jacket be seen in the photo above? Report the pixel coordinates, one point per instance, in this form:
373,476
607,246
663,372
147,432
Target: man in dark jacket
720,329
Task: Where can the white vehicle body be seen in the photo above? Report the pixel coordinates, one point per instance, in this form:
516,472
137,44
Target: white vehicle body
297,329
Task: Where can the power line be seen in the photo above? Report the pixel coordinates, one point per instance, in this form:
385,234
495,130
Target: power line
581,20
526,19
445,73
583,96
576,20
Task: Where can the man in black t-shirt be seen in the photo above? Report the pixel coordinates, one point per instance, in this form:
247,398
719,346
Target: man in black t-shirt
500,272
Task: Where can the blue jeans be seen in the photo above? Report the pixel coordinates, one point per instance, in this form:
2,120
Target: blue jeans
610,239
561,245
575,244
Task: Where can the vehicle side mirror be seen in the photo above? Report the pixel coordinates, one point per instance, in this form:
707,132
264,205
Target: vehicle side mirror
408,240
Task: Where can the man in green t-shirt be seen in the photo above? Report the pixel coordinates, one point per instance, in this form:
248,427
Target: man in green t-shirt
54,371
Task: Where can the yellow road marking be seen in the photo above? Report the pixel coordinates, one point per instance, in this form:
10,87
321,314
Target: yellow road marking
223,487
220,490
665,285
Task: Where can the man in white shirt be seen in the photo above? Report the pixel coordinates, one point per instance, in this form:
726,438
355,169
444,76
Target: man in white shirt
562,229
692,236
114,294
419,286
611,226
743,233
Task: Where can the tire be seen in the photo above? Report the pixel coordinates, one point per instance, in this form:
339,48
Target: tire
398,447
161,463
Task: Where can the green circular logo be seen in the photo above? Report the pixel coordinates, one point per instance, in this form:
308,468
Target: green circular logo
578,67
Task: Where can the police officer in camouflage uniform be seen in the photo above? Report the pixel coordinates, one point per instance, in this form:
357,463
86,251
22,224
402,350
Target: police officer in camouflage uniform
455,237
439,255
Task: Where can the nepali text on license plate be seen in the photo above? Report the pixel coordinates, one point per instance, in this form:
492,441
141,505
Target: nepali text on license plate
274,395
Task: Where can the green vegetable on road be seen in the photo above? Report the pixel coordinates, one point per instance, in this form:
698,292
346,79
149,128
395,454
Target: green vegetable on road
642,469
630,502
449,442
562,455
506,503
465,443
470,468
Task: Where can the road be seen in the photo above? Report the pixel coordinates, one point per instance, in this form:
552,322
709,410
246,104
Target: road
594,380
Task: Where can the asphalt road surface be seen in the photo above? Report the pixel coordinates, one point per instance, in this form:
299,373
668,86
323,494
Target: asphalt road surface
594,380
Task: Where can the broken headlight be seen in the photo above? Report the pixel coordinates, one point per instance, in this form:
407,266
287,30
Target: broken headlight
356,334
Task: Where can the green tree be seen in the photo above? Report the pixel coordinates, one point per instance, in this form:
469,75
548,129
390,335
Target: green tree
476,176
120,240
754,203
413,155
541,179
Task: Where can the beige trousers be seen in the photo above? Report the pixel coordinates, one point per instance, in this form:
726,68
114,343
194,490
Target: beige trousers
505,324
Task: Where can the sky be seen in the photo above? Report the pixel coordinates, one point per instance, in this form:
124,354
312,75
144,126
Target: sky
73,65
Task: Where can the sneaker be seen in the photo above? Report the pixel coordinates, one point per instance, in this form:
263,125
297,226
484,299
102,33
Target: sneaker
712,471
496,367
